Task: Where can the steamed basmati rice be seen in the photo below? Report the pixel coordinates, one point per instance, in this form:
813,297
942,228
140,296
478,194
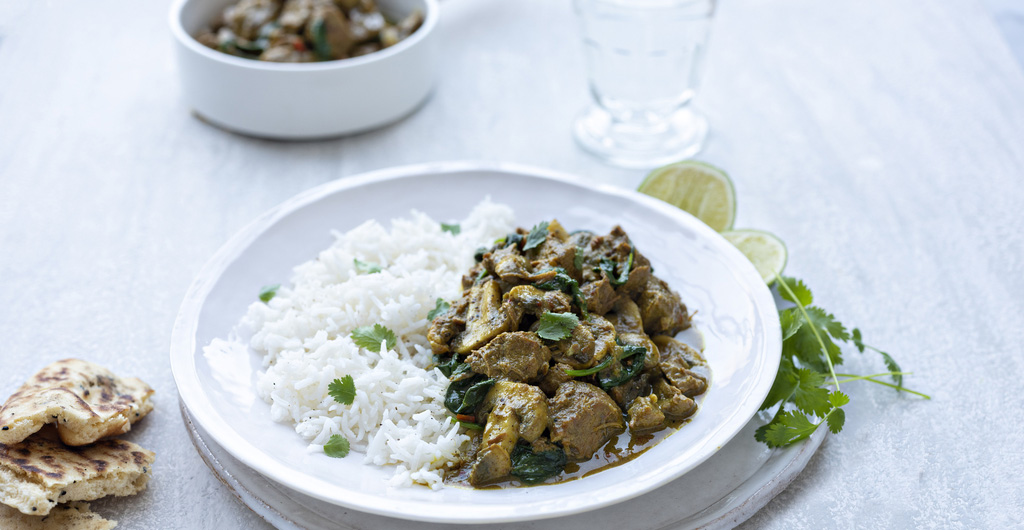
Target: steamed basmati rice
398,416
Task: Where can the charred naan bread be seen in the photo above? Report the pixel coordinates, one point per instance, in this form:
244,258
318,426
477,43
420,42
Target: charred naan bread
39,473
70,516
85,401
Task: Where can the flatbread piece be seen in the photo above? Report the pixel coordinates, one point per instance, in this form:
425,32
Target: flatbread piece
39,473
70,516
85,401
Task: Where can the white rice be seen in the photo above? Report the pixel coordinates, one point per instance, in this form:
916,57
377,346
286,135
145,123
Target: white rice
398,416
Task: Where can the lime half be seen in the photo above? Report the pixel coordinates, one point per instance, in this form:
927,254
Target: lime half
766,251
701,189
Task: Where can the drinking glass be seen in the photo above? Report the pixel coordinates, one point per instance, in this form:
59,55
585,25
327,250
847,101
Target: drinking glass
644,62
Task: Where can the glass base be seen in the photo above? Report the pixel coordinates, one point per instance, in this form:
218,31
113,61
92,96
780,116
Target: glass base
641,145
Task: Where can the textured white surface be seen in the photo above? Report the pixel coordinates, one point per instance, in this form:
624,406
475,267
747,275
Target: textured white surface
882,139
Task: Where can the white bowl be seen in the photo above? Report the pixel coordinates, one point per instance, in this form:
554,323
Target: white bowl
306,100
735,315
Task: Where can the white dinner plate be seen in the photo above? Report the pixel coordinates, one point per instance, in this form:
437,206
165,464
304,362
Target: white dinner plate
735,313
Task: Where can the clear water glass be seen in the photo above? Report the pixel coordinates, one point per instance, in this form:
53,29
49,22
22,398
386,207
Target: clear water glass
644,61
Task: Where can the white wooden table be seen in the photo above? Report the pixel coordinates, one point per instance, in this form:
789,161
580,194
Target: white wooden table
882,139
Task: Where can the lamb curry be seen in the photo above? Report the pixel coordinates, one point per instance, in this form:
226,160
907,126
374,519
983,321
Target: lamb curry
561,348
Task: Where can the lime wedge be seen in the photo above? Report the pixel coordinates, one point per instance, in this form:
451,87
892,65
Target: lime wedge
766,251
698,188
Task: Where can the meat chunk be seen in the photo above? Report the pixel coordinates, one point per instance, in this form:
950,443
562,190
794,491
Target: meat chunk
485,318
555,377
508,264
672,402
514,411
447,325
247,16
645,415
577,351
676,367
513,356
604,337
600,296
661,309
583,419
638,278
627,392
529,300
629,328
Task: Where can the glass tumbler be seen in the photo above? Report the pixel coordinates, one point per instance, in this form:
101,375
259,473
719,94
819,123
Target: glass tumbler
644,63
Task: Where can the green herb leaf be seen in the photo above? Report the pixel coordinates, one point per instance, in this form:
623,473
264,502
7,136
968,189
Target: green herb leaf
577,260
366,267
592,370
557,326
838,399
790,320
447,366
565,283
784,385
538,234
470,425
808,394
268,292
343,390
789,427
627,372
336,446
370,337
483,274
803,294
321,46
440,306
835,420
609,266
452,229
857,340
463,396
534,468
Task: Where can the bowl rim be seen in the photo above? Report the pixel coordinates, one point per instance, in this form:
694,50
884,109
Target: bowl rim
183,37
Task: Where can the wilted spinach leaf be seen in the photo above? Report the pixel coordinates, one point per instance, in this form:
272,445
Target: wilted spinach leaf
533,468
463,396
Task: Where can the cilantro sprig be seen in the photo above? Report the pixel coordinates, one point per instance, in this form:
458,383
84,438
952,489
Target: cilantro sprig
371,337
343,390
366,267
810,353
336,446
557,326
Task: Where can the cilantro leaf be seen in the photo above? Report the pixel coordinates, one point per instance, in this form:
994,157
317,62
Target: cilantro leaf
790,320
890,363
453,229
808,394
857,340
557,326
370,337
440,306
268,292
838,399
538,234
784,385
825,321
336,446
835,420
803,294
789,427
366,267
343,390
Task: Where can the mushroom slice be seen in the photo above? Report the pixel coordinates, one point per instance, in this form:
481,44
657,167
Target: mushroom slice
514,411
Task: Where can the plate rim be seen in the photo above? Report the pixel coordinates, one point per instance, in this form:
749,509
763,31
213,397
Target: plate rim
183,338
